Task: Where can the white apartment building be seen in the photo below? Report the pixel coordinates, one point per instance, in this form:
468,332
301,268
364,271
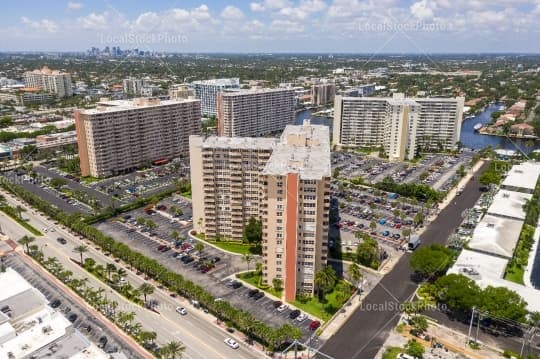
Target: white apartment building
323,93
208,90
53,81
120,136
253,113
283,182
133,86
400,125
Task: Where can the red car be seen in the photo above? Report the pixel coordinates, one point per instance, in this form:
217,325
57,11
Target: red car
314,325
398,226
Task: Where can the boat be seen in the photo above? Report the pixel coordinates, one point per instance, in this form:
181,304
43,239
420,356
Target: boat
477,127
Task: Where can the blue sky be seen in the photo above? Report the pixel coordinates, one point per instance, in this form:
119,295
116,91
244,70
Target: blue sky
363,26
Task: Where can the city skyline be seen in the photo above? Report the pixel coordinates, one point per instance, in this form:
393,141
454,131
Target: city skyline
389,26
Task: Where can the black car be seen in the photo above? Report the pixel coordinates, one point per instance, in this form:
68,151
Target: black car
61,240
277,303
216,259
56,303
258,295
102,342
295,313
236,284
252,292
72,318
187,259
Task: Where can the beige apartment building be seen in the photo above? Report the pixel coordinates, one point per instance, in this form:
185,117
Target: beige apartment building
54,81
398,124
323,93
283,182
123,135
253,113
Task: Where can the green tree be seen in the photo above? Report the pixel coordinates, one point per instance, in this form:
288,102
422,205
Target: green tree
458,292
431,260
367,253
277,283
81,250
419,322
25,241
172,350
253,231
504,303
325,280
199,247
414,349
146,289
354,273
248,258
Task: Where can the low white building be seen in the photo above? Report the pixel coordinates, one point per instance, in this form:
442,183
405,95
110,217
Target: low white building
522,177
496,235
509,204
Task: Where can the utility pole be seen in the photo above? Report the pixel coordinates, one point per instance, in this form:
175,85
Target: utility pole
470,325
477,328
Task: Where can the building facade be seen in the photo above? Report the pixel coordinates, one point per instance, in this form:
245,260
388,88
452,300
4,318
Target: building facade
323,93
120,136
255,113
179,92
401,126
283,182
208,90
133,86
54,81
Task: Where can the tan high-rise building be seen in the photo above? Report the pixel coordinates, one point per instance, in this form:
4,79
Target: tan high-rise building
119,136
283,182
54,81
255,113
399,125
323,93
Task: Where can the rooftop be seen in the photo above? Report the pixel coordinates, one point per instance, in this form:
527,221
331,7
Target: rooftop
304,149
255,91
133,104
522,176
509,204
487,270
12,284
261,143
219,82
496,235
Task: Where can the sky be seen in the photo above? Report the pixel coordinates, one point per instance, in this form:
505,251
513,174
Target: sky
271,26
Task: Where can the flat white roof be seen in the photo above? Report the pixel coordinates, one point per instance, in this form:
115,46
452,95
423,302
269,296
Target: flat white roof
487,270
262,143
12,284
133,104
509,204
496,235
523,175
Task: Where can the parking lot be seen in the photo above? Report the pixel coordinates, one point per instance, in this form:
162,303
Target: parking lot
84,321
128,187
436,170
214,277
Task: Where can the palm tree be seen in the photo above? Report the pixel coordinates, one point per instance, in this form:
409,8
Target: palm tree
81,250
354,273
325,279
147,337
110,268
248,258
19,210
25,241
172,350
175,235
199,247
146,289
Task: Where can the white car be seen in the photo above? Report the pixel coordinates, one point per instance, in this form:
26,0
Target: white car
181,310
122,281
301,317
282,308
230,342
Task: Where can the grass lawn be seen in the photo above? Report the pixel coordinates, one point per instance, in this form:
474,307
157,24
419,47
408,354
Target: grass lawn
186,194
515,274
331,303
255,280
231,246
90,179
392,353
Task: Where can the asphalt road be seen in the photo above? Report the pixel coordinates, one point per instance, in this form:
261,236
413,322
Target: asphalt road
202,338
366,330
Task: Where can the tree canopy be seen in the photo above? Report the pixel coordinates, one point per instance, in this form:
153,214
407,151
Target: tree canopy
431,260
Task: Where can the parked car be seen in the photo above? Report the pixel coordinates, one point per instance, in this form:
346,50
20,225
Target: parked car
301,317
282,308
61,240
277,303
252,292
294,314
314,325
56,303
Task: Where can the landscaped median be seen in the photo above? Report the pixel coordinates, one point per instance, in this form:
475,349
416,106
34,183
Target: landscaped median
13,213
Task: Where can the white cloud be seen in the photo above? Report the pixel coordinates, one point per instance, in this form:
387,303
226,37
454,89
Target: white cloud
422,10
72,5
94,21
256,7
286,26
232,13
44,24
276,4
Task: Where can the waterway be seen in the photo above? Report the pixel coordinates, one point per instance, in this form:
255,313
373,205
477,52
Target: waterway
469,138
